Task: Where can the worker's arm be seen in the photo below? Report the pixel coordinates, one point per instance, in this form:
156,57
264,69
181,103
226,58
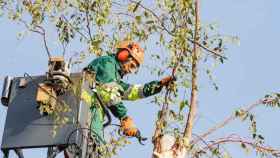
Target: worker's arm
112,94
118,110
134,92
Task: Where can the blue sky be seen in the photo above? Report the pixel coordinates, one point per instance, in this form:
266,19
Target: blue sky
249,74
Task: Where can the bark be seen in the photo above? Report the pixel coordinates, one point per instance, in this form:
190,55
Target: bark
166,146
194,92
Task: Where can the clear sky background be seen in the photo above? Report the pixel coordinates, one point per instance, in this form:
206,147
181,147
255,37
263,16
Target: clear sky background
251,72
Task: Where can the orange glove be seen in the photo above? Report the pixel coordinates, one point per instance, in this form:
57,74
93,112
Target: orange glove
128,127
166,80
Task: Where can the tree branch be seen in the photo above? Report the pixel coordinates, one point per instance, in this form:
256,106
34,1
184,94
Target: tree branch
164,28
88,22
45,40
207,49
258,147
41,31
227,121
75,28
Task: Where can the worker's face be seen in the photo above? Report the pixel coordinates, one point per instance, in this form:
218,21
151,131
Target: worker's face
130,66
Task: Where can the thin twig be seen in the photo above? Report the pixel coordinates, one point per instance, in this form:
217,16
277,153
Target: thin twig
45,41
227,121
258,147
124,14
164,28
117,3
75,28
88,22
41,31
207,49
64,46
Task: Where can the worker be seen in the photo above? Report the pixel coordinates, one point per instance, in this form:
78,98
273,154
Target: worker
109,71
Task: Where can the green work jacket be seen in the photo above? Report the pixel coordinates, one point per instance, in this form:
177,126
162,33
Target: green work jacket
113,90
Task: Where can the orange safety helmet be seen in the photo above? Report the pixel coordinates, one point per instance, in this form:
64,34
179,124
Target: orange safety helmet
134,50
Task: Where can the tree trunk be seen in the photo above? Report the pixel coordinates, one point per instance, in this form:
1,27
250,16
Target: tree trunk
166,146
194,92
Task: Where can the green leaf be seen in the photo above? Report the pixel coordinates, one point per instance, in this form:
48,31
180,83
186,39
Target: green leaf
226,155
221,60
237,113
172,114
186,84
243,146
172,7
183,104
251,117
212,26
136,6
244,116
158,114
254,135
150,22
261,137
161,38
138,19
146,14
157,56
189,20
216,151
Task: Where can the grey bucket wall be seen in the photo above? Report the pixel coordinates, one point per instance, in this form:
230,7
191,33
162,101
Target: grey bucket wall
25,127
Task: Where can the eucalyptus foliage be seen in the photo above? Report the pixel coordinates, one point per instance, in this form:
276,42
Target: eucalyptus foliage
168,25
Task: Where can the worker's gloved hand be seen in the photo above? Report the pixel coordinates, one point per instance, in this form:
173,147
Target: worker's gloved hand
166,80
128,127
